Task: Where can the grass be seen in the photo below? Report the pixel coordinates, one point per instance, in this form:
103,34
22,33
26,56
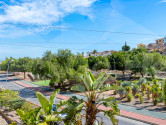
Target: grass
42,83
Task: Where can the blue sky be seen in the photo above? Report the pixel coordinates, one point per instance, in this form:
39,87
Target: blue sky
29,27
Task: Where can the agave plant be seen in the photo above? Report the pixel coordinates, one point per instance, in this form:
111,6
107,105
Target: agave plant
74,106
121,92
141,80
126,83
135,89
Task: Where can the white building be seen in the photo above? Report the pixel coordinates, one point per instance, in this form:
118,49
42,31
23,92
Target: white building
105,53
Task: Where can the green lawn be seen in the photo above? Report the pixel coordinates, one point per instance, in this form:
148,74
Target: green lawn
42,83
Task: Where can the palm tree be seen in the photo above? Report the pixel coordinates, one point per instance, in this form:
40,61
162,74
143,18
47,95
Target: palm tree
74,106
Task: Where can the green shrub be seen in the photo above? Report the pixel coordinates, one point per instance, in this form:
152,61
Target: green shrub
135,81
160,96
155,77
149,78
155,81
119,82
143,93
128,89
7,95
148,82
164,91
137,95
143,87
27,107
156,101
141,99
130,97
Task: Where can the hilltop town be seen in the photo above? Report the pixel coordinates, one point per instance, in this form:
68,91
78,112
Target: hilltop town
158,46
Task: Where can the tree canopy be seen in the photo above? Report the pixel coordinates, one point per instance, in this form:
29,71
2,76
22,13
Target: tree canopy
125,47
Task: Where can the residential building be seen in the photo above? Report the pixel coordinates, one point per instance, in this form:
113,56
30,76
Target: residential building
104,53
139,45
151,45
159,41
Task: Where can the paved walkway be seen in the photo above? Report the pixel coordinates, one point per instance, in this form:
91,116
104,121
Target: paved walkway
126,111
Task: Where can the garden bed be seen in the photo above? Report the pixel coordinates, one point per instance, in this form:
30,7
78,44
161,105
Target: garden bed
148,104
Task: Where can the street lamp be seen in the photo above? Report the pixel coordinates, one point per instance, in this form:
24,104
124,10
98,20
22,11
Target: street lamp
114,67
7,70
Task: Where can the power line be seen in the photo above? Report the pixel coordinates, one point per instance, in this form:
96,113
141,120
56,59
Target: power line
80,29
46,47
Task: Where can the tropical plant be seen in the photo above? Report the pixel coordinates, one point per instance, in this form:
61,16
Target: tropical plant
13,123
160,96
155,77
148,82
47,105
135,81
27,107
143,87
129,97
155,90
121,92
128,90
143,93
74,106
119,82
31,117
164,91
137,95
156,101
141,99
155,81
148,89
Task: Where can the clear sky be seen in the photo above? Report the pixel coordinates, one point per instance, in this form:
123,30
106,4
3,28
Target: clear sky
30,27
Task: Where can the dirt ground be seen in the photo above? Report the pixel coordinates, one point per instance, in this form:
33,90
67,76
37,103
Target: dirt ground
3,121
13,116
20,75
